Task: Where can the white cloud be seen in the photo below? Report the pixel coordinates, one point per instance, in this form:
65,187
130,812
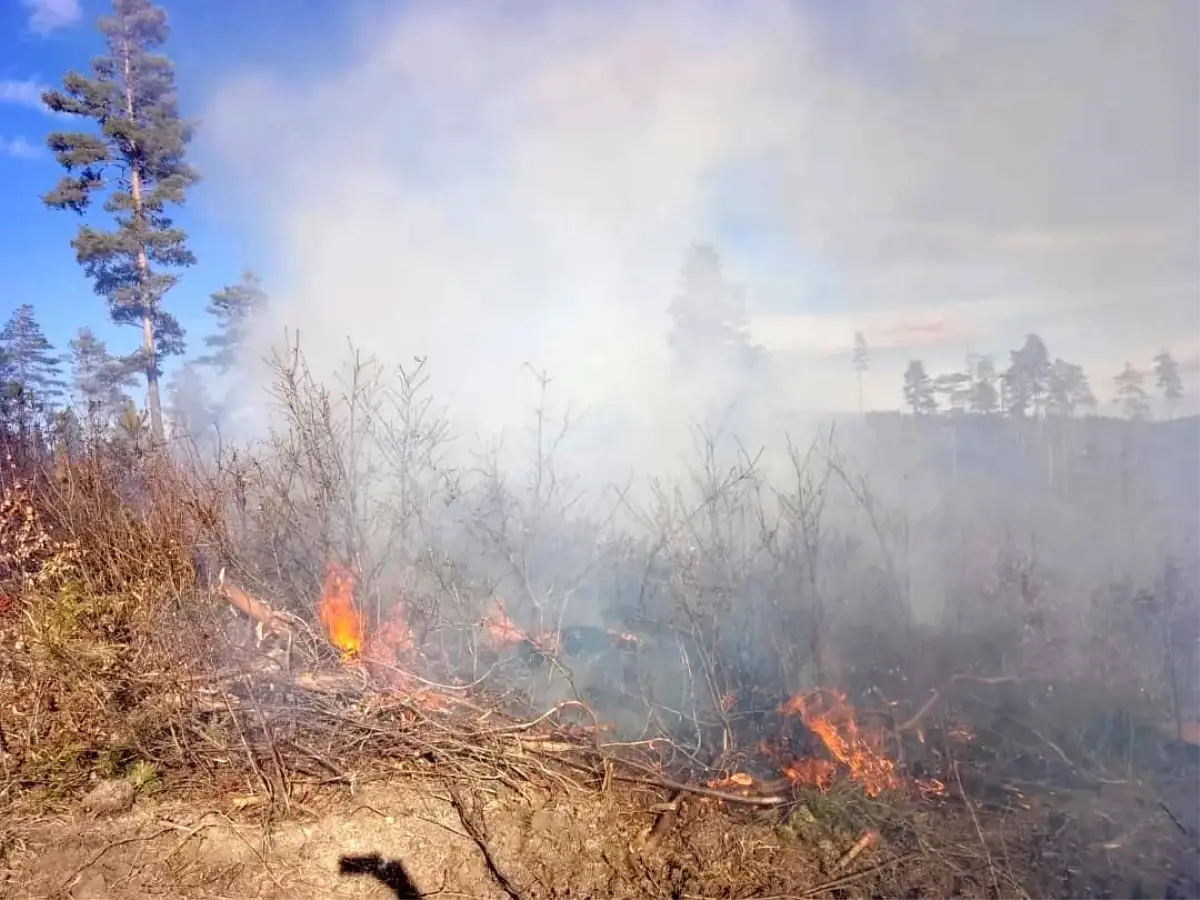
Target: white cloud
48,16
959,173
22,92
19,148
27,92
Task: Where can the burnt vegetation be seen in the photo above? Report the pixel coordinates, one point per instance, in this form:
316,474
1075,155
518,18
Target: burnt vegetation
946,652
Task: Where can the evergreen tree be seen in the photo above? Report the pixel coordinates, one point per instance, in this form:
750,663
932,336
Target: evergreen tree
1068,389
130,431
68,438
1131,394
102,382
1170,382
1027,380
862,362
234,307
984,398
710,329
190,409
30,365
138,158
918,389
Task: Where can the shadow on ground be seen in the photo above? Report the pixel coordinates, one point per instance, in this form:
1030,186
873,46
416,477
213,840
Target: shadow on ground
390,872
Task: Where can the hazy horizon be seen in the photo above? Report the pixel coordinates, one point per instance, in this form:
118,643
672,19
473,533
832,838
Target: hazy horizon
486,188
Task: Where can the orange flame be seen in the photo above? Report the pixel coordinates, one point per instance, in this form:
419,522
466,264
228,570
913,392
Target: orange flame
395,634
385,648
624,638
832,720
503,634
341,618
931,787
498,627
961,732
811,772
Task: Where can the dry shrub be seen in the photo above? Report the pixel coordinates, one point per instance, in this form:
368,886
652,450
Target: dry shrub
135,522
30,559
99,561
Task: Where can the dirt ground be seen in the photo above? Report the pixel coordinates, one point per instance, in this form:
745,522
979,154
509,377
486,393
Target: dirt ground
387,840
432,839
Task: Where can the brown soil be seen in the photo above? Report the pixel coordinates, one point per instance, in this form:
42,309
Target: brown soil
403,840
433,839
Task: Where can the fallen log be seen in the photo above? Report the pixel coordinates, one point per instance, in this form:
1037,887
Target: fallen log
252,606
336,683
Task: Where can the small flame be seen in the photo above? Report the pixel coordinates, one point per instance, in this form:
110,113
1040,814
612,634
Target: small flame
931,787
385,648
502,634
962,733
395,634
831,718
625,638
811,772
337,611
499,628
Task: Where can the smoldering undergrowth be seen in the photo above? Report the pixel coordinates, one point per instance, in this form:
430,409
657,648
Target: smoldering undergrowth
741,582
750,582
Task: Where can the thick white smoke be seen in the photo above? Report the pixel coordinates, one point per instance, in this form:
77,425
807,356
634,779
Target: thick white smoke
486,185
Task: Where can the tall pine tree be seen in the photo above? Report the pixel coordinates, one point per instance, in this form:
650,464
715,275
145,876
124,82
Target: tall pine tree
1068,389
709,323
190,409
1027,380
985,399
137,157
918,389
1169,381
234,307
1131,393
30,365
862,361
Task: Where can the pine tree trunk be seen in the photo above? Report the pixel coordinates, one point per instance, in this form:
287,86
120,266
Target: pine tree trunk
143,269
152,396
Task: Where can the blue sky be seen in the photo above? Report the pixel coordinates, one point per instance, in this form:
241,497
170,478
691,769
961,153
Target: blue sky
39,41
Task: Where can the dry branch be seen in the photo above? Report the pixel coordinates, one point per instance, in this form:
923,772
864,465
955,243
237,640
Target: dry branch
252,606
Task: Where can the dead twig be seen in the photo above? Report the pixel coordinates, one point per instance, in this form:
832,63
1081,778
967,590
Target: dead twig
868,838
667,784
833,884
915,719
96,857
665,822
474,827
978,830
